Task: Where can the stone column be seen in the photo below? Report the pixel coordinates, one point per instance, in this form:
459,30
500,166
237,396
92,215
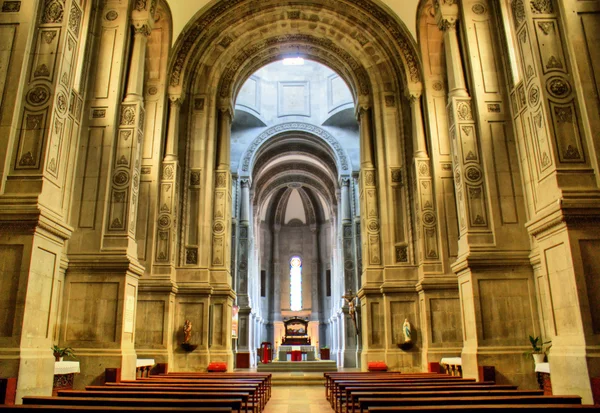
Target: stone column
41,118
428,249
221,236
243,262
492,268
314,271
245,202
372,265
562,180
104,261
166,255
276,274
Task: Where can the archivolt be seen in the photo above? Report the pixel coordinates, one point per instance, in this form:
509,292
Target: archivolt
342,159
367,24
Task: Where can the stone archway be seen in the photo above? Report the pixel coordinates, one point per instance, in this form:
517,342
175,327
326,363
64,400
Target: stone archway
374,55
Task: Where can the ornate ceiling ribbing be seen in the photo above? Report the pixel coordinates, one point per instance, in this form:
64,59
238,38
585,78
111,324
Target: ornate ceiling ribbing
368,22
247,160
296,149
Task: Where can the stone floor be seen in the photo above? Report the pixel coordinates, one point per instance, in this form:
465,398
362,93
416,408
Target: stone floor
298,399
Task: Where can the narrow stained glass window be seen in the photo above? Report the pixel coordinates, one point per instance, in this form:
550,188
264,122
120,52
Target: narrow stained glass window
296,284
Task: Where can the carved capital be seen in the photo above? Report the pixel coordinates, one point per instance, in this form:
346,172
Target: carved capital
414,98
142,27
175,101
245,183
447,24
345,181
446,14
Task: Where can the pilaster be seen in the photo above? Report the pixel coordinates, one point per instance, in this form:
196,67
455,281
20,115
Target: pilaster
490,275
561,181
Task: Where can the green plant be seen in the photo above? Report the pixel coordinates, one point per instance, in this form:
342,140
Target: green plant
325,348
537,346
59,352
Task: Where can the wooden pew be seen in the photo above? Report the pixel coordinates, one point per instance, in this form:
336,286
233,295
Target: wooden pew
264,392
489,408
244,396
367,403
142,403
104,409
335,382
266,377
260,389
338,395
332,376
354,393
224,388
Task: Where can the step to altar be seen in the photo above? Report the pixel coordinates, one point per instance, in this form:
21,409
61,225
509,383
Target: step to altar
298,378
297,366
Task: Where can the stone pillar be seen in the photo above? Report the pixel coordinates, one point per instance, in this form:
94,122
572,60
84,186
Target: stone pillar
493,271
41,119
276,274
104,257
551,119
314,271
244,261
372,259
221,238
245,202
166,251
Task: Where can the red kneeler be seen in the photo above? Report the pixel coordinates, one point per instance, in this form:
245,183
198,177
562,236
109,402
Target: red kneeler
296,355
377,366
217,366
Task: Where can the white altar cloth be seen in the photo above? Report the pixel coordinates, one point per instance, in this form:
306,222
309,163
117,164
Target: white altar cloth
66,367
542,368
144,362
451,361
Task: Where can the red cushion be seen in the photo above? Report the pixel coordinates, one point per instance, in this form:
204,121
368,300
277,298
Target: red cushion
217,366
377,366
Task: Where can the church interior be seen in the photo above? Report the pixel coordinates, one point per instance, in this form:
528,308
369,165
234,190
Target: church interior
347,175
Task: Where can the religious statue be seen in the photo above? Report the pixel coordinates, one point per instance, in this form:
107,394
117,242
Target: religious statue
187,331
406,331
350,299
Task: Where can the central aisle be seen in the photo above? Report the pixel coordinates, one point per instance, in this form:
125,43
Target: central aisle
298,399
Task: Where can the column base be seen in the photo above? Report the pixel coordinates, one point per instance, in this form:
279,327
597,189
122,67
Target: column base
511,365
571,370
34,370
94,362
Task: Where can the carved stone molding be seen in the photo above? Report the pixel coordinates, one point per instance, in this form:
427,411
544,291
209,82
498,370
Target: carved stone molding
197,31
253,148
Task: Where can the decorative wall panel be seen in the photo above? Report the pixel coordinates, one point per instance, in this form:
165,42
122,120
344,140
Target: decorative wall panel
10,278
94,323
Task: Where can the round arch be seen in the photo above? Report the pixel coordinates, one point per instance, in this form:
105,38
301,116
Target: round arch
342,159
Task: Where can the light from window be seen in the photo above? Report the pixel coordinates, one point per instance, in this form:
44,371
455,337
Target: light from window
296,284
293,61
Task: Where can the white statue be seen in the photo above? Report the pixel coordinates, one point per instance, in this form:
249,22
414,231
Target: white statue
406,331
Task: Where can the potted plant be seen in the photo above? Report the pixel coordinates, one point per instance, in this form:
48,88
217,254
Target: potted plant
324,353
61,352
538,349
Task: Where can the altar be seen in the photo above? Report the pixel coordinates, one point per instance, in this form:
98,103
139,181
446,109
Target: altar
296,353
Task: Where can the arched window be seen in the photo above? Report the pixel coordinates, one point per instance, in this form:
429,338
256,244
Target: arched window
296,284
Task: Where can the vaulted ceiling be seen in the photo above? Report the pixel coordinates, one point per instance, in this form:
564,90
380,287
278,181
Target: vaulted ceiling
184,10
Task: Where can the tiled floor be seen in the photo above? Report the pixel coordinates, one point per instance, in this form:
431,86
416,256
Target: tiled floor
298,399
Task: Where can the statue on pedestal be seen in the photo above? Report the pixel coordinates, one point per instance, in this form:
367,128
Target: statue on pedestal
187,331
406,331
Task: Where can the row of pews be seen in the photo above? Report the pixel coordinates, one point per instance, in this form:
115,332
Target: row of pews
388,392
171,392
